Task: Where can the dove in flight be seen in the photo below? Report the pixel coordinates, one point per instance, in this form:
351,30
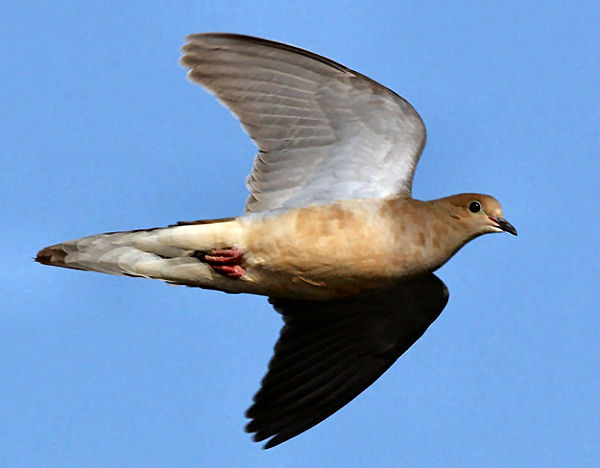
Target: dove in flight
330,232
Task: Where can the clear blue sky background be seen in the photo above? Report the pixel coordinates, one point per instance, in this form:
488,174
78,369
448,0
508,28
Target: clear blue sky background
101,131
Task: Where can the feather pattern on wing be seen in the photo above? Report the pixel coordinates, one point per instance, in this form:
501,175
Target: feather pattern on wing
324,132
330,351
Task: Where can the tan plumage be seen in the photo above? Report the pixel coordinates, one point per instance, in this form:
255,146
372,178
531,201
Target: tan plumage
331,233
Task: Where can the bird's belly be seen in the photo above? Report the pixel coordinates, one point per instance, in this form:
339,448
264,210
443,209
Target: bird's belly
316,278
334,263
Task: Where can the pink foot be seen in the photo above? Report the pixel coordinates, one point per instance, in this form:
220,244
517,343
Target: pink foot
226,262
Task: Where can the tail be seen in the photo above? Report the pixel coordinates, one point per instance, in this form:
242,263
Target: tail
174,254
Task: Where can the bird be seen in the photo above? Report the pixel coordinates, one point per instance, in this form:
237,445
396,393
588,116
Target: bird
330,232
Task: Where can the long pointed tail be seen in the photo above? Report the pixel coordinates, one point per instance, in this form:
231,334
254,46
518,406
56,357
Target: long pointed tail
174,254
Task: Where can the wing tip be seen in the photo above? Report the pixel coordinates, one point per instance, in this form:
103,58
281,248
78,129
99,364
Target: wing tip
274,439
203,39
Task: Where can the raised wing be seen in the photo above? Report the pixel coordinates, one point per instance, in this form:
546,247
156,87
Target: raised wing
324,132
330,351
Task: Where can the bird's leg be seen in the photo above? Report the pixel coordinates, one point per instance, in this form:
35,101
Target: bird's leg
226,262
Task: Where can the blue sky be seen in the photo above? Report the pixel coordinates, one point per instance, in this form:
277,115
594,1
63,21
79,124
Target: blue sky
101,131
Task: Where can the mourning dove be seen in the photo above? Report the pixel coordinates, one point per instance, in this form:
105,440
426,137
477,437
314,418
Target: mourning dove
330,231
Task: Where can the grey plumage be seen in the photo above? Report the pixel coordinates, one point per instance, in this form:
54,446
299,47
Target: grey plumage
318,125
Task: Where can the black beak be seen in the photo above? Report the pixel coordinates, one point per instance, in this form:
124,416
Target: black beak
505,226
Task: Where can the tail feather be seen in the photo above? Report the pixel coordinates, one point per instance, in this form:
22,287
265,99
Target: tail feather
170,254
121,253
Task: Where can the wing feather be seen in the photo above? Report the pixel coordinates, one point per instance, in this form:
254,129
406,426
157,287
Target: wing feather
330,351
324,131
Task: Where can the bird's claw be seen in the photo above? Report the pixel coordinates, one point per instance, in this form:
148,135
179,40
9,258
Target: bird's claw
226,262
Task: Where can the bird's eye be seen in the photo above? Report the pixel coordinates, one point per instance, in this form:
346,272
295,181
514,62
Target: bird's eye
474,207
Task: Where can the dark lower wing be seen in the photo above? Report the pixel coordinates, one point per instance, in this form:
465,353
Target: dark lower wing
328,352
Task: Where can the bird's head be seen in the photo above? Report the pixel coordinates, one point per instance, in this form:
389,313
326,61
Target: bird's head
478,214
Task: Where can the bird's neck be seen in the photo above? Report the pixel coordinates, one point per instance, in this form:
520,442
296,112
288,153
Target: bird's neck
430,229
